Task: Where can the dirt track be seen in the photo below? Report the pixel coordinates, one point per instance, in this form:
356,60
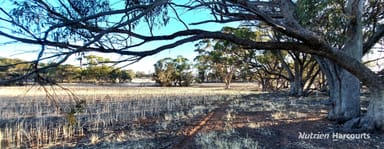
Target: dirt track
212,121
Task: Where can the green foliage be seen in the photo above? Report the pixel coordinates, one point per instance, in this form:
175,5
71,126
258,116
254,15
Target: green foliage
202,59
127,75
173,72
64,73
117,75
96,71
11,68
37,16
326,17
222,58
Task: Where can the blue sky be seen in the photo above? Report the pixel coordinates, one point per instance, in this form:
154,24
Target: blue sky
28,52
186,50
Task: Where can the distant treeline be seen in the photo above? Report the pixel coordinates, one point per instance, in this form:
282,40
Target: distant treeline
95,69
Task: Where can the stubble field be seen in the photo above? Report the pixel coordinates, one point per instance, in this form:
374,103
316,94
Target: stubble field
205,116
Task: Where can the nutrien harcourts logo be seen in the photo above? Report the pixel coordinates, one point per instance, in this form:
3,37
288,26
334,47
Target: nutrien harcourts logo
334,136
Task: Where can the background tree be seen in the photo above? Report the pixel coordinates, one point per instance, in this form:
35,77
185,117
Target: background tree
97,70
13,68
223,57
202,59
65,73
164,72
127,75
173,72
115,75
299,69
269,70
182,74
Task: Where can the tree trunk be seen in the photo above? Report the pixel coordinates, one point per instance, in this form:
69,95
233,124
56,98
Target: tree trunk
265,84
345,87
202,76
228,77
307,89
296,87
297,84
374,118
295,80
344,96
227,81
344,92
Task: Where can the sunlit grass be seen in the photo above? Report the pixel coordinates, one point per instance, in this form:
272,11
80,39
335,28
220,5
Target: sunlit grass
33,116
118,91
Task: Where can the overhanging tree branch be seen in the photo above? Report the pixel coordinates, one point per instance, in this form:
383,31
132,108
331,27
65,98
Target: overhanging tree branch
377,35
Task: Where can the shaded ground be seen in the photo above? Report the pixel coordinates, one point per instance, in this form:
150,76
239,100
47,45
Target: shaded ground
281,127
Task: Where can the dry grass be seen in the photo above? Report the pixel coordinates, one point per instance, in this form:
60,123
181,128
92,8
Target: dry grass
155,117
35,116
83,90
